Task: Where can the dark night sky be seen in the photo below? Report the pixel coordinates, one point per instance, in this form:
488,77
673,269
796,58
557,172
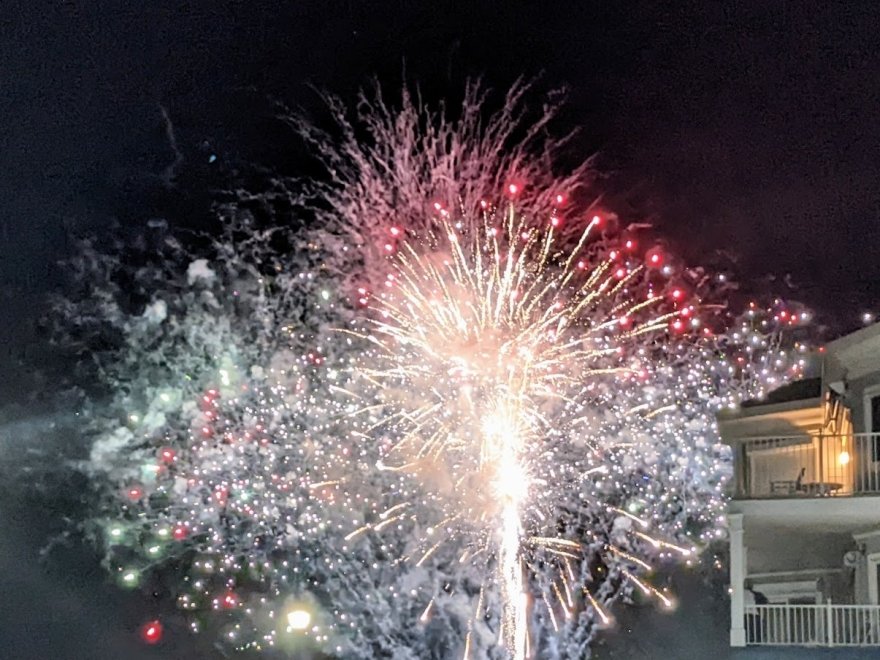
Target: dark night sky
752,128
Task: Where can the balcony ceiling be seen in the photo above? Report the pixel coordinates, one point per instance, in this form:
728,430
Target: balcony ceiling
803,535
820,514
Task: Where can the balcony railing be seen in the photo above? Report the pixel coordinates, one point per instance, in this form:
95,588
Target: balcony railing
808,466
813,625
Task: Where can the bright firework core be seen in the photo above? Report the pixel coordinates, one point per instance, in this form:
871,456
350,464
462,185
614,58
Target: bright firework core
501,453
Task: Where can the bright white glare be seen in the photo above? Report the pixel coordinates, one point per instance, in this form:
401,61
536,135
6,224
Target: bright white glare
298,619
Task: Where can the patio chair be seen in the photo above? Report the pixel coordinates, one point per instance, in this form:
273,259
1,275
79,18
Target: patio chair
789,487
799,482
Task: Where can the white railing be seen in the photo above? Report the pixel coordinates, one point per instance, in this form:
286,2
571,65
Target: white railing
808,465
813,625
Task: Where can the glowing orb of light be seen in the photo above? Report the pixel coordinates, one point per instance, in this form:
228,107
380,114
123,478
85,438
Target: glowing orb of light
298,619
151,632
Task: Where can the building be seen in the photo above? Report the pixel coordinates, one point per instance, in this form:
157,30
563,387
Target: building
804,520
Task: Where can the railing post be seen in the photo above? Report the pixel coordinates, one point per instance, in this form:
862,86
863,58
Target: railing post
829,622
875,626
857,463
737,580
870,464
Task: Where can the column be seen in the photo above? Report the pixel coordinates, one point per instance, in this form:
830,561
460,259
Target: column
737,580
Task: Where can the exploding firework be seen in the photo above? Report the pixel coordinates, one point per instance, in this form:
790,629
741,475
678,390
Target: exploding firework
513,428
504,440
534,383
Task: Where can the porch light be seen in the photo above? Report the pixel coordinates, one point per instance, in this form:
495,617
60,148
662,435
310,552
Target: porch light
843,458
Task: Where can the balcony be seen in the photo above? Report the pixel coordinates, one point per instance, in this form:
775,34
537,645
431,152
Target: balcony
804,466
813,625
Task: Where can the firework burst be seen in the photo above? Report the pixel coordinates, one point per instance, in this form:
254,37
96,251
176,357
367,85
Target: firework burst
514,428
523,375
508,437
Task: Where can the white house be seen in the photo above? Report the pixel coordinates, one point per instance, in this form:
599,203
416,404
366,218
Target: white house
804,521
